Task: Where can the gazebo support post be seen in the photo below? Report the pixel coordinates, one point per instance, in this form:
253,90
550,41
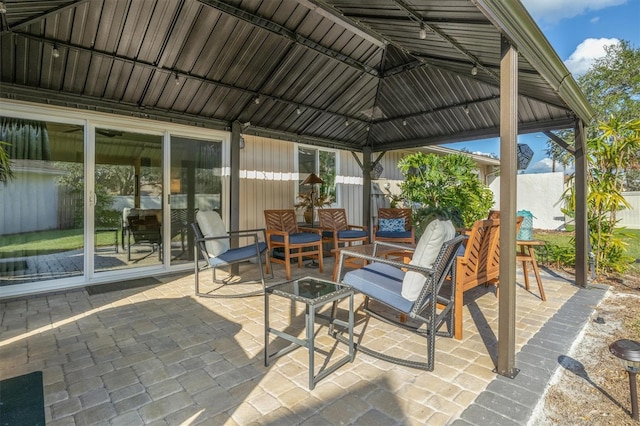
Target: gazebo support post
367,166
234,186
508,198
582,227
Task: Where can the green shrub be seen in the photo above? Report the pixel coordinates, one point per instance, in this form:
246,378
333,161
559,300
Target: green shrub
446,185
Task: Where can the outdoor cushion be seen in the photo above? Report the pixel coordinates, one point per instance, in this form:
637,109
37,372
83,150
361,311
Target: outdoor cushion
386,234
298,238
238,254
381,282
211,225
345,233
429,245
392,225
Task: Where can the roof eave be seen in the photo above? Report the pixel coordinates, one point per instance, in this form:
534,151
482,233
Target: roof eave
516,24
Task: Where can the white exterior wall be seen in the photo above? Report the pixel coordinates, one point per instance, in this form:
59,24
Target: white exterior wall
541,194
29,202
630,218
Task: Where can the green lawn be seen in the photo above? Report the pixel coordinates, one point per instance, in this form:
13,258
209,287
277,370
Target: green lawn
47,242
563,239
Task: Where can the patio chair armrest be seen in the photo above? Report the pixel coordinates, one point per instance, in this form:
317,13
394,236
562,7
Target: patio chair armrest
363,228
204,239
250,233
272,232
392,245
325,228
311,230
401,265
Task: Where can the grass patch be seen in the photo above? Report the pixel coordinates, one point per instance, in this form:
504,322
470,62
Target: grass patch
633,249
563,239
48,242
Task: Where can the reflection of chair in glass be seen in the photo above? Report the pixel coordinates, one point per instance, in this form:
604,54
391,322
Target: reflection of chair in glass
142,227
394,226
180,224
212,242
336,230
283,233
419,290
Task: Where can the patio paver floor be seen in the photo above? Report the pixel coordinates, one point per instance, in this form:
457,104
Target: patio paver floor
160,355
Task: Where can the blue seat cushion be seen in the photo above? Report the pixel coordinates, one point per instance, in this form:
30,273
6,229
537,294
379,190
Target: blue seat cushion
381,282
238,254
346,234
299,238
387,234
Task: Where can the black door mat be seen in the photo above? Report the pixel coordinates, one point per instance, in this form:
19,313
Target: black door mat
22,400
121,285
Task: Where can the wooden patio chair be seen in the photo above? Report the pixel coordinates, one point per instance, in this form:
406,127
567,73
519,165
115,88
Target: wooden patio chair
394,226
336,230
283,233
480,263
212,242
423,290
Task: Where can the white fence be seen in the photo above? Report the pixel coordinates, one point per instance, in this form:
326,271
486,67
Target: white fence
541,194
630,218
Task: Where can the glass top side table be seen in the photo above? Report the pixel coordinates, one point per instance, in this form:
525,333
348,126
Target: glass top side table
314,293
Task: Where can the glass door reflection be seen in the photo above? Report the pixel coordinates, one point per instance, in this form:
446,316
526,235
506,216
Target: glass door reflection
128,200
196,184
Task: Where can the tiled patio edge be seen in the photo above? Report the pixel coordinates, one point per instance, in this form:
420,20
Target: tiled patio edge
512,401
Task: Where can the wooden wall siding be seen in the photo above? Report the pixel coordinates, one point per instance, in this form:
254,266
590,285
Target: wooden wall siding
349,183
266,179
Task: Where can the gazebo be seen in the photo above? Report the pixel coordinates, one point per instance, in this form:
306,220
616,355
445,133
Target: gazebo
368,77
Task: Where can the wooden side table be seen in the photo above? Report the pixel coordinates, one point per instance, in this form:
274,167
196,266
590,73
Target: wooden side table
525,254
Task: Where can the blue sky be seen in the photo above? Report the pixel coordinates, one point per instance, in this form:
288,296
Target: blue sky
578,30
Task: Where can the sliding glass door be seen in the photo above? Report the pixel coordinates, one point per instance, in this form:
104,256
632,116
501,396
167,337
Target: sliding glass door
42,205
83,201
127,203
196,184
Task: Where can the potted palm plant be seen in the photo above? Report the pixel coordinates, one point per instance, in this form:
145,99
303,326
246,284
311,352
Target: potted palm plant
308,201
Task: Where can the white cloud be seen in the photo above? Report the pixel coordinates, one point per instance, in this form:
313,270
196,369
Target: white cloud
545,166
582,58
594,19
555,10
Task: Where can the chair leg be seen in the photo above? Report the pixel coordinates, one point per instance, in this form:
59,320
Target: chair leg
538,279
457,321
268,258
287,262
320,258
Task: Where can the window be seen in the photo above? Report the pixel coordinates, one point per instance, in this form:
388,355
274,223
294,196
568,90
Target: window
322,163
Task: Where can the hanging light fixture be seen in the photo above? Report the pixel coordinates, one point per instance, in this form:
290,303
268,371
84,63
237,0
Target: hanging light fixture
423,31
3,8
404,122
176,79
298,111
346,122
466,109
256,100
55,52
474,70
